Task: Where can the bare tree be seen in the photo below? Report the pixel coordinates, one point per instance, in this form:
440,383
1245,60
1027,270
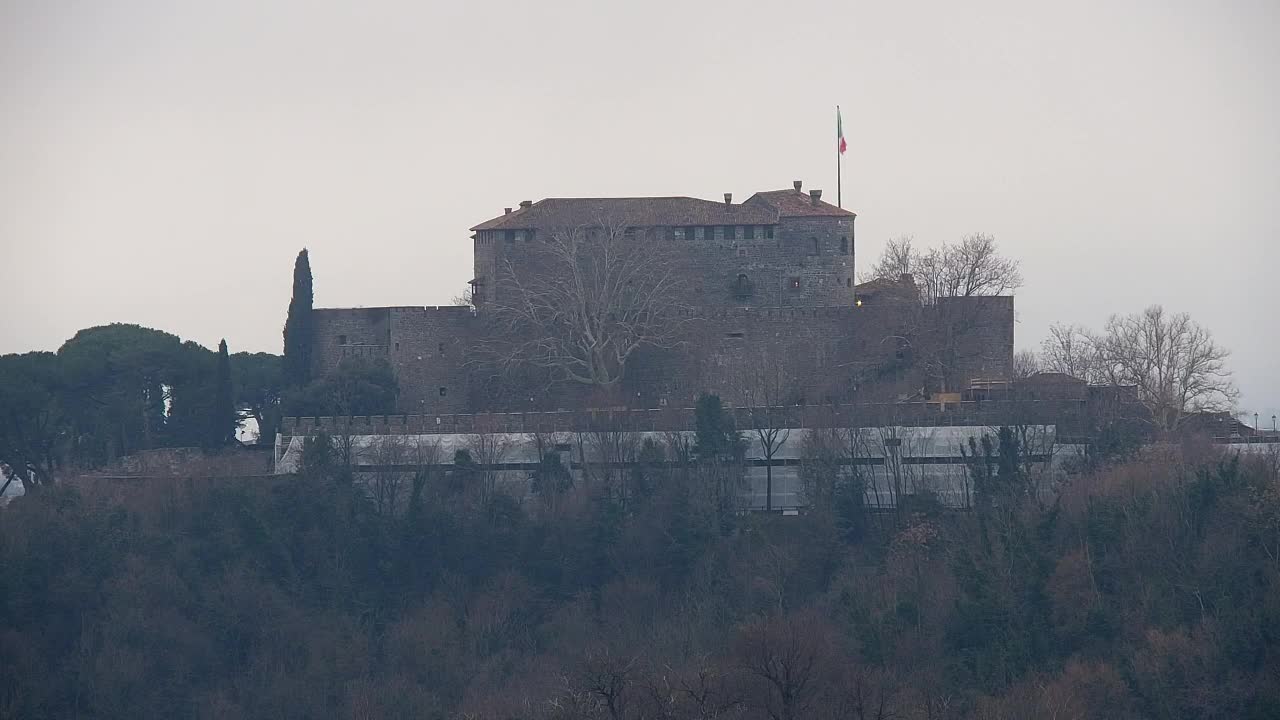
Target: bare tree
765,386
942,335
488,451
1173,362
389,480
581,302
897,260
1025,364
1069,349
789,654
973,267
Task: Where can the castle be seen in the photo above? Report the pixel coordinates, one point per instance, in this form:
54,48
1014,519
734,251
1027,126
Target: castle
769,281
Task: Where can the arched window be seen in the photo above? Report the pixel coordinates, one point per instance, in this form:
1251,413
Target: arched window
742,287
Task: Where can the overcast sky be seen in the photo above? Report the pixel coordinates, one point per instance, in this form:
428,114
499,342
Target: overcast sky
163,162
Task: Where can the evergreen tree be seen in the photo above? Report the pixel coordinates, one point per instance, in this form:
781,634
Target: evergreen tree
714,430
223,428
297,327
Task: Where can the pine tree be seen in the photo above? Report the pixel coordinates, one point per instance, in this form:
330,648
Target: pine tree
297,327
224,410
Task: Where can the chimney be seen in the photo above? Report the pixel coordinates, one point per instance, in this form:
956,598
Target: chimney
797,184
728,198
526,204
816,195
506,211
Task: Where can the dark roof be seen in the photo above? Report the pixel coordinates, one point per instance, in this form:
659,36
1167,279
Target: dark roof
797,203
554,213
1053,378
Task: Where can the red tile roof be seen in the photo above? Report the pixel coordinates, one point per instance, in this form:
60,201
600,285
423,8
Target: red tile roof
554,213
797,203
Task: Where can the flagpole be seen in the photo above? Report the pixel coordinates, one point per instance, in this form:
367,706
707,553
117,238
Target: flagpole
839,167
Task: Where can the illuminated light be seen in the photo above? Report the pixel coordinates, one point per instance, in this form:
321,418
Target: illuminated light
858,302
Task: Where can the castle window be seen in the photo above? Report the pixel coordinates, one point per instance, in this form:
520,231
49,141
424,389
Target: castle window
509,236
794,283
342,339
443,391
677,233
742,287
689,233
848,282
520,236
700,233
397,347
749,232
817,247
768,232
844,246
441,348
735,335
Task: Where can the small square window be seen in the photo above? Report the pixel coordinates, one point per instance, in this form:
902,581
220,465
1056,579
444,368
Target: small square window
443,391
342,339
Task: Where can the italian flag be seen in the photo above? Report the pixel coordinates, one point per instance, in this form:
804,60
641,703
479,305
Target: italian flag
840,143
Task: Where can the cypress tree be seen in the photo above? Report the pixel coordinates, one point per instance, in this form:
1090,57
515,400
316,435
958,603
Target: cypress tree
224,409
297,327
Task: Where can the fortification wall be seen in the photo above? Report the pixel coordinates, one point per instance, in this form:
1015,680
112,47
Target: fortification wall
822,355
980,332
429,349
340,333
1070,416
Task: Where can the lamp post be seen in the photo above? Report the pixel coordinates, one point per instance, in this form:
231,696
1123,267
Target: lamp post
1273,422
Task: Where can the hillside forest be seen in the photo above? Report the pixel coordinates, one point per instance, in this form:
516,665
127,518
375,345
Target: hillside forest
1143,587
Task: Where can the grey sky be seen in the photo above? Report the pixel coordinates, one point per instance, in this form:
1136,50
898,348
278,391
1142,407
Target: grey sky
162,162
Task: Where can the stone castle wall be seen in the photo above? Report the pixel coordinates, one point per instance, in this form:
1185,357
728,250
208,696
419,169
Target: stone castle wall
823,355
